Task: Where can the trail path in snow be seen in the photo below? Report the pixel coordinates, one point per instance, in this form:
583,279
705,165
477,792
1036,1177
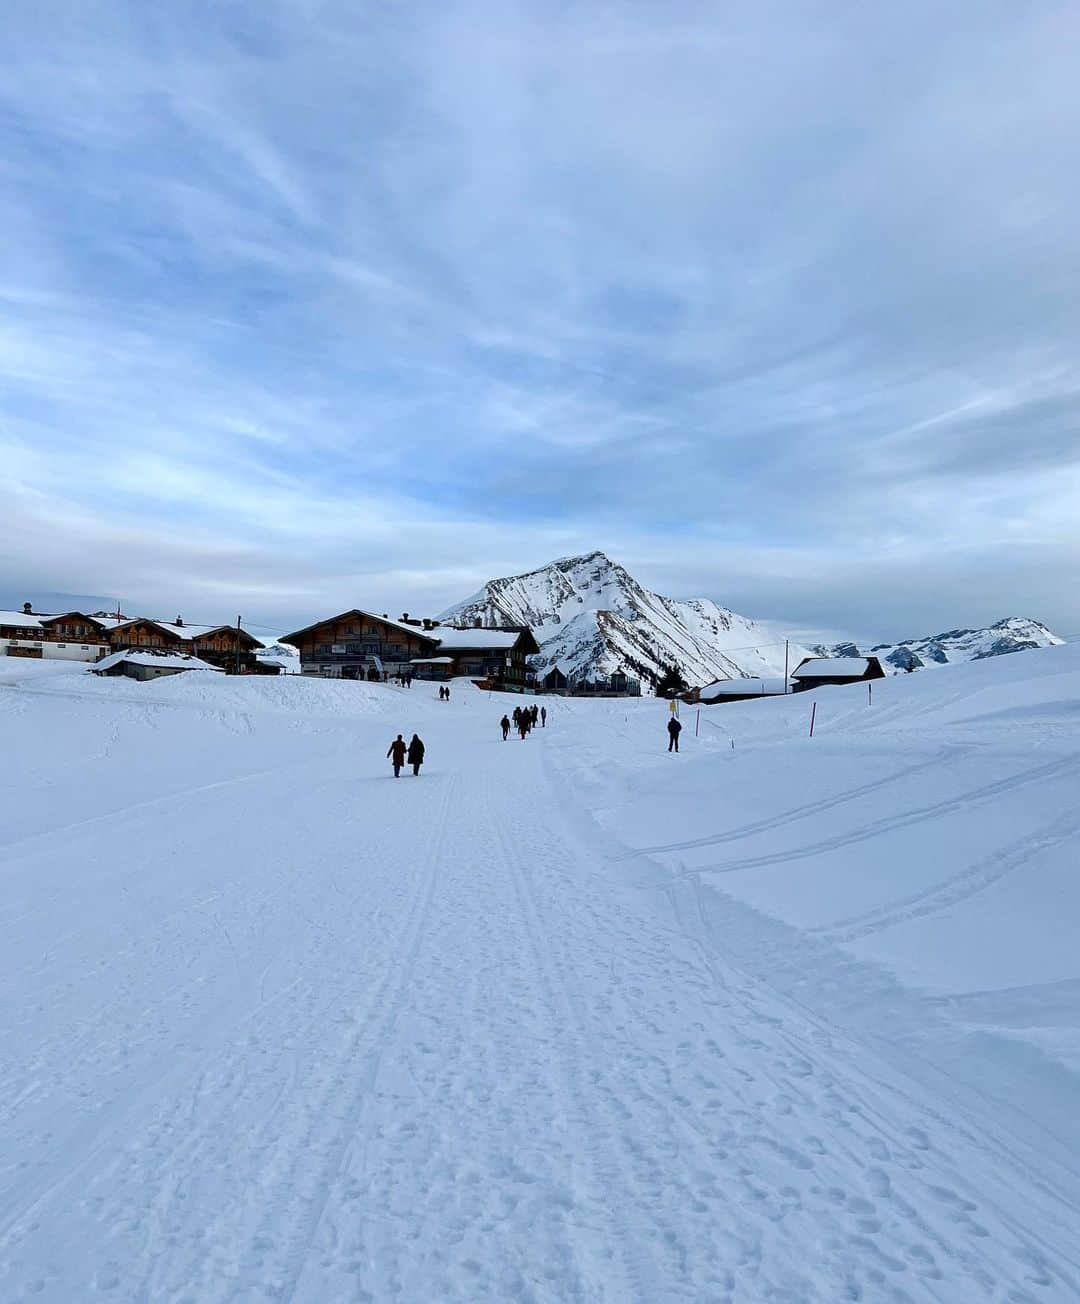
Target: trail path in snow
321,1035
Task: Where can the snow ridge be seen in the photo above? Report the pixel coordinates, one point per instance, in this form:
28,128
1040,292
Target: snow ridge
592,618
1013,634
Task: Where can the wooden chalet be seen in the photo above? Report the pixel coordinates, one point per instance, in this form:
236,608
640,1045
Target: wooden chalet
225,646
498,657
72,636
814,672
361,645
617,684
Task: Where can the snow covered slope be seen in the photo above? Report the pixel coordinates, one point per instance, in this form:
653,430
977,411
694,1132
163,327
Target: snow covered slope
591,618
281,654
1013,634
567,1019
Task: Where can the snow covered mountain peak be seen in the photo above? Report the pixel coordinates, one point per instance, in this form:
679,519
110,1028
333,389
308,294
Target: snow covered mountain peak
1013,634
592,618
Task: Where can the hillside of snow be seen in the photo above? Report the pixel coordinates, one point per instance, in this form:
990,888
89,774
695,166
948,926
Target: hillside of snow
1013,634
592,618
568,1018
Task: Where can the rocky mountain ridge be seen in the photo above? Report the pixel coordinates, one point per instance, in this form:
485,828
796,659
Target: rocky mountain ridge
1013,634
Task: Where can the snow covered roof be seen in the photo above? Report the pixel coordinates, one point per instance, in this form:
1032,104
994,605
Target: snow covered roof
832,668
432,661
417,631
19,619
468,640
148,657
184,631
743,688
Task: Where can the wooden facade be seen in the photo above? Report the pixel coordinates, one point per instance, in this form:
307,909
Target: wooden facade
496,657
73,636
361,645
77,635
216,644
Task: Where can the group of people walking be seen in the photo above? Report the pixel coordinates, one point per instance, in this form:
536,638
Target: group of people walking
401,751
444,692
525,719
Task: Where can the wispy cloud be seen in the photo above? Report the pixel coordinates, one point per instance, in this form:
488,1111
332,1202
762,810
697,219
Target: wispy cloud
314,304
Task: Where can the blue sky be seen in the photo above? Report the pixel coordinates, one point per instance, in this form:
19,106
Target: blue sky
306,305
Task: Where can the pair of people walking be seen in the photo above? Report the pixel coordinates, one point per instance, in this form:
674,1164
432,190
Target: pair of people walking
444,692
401,751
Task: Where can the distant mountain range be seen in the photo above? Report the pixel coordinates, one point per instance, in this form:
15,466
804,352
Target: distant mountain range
592,618
1013,634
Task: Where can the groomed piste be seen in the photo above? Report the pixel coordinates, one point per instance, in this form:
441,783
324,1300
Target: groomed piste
562,1019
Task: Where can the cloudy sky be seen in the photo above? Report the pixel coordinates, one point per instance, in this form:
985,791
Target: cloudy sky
306,305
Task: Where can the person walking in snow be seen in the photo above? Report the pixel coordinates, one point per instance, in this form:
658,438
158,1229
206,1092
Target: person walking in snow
534,711
543,717
416,753
397,752
674,728
504,725
523,724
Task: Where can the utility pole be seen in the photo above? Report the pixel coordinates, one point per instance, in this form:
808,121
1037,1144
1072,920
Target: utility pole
786,645
238,645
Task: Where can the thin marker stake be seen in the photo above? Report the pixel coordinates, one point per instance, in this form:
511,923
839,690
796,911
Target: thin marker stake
813,712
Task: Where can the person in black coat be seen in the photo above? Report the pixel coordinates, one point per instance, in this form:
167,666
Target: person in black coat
504,725
674,728
416,753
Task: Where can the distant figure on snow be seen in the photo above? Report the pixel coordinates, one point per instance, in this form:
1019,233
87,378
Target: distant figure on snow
534,711
674,728
504,725
543,717
396,752
416,753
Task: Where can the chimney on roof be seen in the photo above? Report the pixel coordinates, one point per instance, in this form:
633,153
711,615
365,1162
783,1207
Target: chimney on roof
28,608
180,622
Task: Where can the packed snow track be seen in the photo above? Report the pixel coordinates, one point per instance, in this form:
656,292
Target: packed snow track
566,1019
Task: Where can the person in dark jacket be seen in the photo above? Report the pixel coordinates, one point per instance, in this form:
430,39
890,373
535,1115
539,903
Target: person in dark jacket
543,717
523,724
504,725
674,728
396,752
416,753
534,711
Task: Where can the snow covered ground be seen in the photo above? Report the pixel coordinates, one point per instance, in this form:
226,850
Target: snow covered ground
568,1019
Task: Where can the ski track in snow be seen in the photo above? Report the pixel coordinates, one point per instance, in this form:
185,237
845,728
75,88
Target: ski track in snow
416,1040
